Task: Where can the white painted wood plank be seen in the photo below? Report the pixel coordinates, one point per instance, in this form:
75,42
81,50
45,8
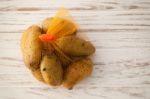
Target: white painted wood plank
89,21
101,93
38,5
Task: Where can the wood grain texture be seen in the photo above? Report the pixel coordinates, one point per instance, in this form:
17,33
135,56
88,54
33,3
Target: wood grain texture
120,30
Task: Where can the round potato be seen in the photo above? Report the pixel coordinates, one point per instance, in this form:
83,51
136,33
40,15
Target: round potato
31,47
76,72
74,46
51,70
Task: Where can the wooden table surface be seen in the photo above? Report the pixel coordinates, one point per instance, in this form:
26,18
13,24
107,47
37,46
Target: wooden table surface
120,30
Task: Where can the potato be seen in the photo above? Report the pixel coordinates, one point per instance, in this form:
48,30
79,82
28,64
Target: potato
37,74
46,23
76,72
47,49
31,47
65,60
75,46
51,70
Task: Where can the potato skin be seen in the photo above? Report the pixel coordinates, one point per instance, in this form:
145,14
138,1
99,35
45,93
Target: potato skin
46,23
51,70
64,59
76,72
37,74
31,47
74,46
47,49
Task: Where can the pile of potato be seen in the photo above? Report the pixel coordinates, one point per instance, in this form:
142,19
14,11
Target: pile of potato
62,61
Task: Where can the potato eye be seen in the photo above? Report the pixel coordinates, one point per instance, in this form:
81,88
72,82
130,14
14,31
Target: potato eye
83,44
44,69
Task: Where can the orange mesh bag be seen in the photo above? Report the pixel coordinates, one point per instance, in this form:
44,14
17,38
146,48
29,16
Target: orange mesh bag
62,24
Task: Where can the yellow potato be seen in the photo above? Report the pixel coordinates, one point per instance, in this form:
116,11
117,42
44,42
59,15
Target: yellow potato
31,47
46,24
65,60
76,72
51,70
37,74
75,46
47,49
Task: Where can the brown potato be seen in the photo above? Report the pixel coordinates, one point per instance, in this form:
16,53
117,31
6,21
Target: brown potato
31,47
47,49
75,46
46,23
37,74
65,60
51,70
76,72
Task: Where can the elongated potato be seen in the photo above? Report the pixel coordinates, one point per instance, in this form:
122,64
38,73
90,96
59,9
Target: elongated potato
75,46
31,47
65,60
51,70
47,49
76,72
46,24
37,74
